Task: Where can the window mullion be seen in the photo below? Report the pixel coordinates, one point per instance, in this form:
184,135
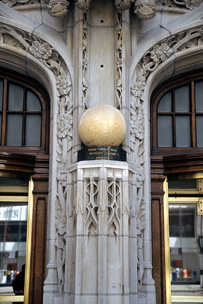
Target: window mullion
4,112
24,117
193,120
174,118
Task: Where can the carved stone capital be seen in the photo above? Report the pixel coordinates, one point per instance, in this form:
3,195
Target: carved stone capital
58,8
145,9
83,4
122,5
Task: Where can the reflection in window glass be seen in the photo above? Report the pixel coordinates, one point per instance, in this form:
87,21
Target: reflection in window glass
13,231
186,256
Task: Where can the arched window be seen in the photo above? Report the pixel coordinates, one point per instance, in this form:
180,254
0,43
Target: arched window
177,114
24,160
176,191
23,114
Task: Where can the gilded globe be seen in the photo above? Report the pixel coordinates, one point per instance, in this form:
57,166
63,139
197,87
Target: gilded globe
102,125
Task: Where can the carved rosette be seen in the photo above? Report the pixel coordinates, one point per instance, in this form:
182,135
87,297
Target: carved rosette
58,8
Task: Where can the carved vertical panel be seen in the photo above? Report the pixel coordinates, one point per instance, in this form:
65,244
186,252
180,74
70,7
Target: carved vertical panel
91,220
114,193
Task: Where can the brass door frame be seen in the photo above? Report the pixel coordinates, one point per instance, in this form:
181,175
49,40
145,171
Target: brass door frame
169,297
29,199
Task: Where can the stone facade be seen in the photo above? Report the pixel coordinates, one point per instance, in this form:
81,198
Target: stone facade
87,53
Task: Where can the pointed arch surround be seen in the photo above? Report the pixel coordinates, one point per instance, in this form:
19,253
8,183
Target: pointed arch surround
24,44
161,60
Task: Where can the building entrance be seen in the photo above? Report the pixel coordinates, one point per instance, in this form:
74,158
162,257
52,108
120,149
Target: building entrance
15,237
185,227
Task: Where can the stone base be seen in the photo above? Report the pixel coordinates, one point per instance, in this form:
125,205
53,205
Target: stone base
102,152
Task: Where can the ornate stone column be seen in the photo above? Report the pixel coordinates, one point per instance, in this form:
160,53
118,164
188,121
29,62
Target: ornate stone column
99,244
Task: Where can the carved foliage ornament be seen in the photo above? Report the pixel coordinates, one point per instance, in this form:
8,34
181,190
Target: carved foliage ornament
47,55
23,2
148,64
189,4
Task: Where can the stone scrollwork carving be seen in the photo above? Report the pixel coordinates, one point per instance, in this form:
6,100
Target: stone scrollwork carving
58,8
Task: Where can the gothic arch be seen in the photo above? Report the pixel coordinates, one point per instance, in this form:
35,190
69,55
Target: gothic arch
176,51
28,52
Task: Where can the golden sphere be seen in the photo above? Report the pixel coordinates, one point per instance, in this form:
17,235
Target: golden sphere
102,125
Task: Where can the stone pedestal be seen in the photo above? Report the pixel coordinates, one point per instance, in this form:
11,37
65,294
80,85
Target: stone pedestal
99,246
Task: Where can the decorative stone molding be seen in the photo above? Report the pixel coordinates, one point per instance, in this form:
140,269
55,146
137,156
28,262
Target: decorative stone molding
13,3
58,8
151,60
92,190
119,61
85,59
47,55
187,4
99,243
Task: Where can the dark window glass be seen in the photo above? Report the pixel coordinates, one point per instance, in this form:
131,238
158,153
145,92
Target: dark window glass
33,103
199,96
177,115
183,137
15,97
165,104
14,130
165,135
33,129
181,220
199,128
182,99
23,114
